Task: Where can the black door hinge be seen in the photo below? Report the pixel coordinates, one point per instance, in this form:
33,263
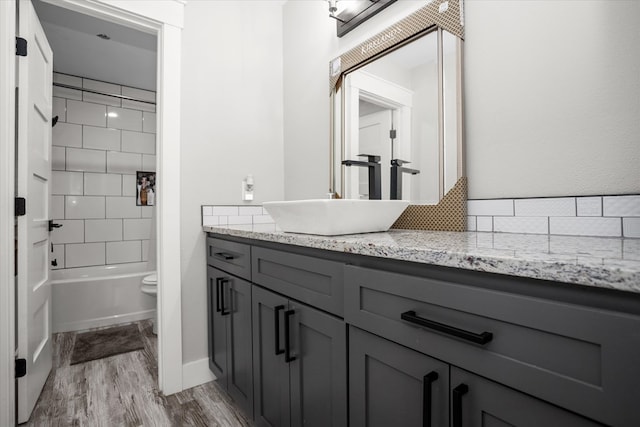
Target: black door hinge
21,46
392,134
21,368
21,206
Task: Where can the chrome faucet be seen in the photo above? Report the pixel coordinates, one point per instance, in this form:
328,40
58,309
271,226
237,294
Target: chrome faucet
396,177
375,174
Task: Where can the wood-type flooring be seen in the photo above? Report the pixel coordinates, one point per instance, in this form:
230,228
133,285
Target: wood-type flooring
122,390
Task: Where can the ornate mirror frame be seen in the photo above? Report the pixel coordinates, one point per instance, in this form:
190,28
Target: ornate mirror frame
450,214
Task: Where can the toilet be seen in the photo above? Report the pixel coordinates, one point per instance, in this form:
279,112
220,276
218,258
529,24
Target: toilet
149,286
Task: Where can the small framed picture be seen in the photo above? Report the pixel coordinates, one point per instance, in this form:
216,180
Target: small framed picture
145,188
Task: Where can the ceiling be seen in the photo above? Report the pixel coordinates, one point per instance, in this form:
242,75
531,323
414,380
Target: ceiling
128,58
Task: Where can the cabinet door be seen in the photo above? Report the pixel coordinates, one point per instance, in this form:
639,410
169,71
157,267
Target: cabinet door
318,342
476,401
217,329
391,385
237,301
270,371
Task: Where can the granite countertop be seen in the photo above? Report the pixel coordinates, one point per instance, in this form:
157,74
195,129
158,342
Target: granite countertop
603,262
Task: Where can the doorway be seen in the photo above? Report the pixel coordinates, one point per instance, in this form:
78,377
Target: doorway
165,20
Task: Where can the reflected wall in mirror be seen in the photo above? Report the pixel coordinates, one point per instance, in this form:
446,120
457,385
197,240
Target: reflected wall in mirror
401,106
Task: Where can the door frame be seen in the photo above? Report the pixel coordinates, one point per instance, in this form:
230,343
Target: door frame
165,20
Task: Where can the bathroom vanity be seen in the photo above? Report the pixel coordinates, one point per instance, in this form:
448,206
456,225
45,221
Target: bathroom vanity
425,328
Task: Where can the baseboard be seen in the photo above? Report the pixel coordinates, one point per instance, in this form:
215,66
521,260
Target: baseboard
100,322
196,373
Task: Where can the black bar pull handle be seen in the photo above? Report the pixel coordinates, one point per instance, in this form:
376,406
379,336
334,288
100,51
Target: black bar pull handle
482,338
223,255
276,321
223,280
218,309
427,381
458,392
287,344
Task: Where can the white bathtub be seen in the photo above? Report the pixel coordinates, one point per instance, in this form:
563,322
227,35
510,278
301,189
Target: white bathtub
93,297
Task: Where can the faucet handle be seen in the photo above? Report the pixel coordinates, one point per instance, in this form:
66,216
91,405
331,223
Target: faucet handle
399,162
370,157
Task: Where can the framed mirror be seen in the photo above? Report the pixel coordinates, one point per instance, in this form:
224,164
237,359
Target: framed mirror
396,109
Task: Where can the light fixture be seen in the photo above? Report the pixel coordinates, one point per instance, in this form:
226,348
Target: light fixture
112,114
333,8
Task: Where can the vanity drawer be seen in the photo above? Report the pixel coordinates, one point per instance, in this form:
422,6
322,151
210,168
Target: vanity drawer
580,358
232,257
311,280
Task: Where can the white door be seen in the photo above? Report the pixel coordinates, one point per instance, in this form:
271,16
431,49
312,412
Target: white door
374,139
34,180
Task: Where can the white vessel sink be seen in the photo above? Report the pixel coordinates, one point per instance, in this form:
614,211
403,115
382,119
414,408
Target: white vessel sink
332,217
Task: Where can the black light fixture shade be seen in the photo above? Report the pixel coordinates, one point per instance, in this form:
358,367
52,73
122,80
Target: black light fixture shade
349,19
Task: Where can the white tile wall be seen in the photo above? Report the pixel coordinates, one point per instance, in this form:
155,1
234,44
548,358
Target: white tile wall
149,122
123,118
101,138
234,215
80,159
57,207
490,207
103,230
589,206
101,87
513,224
72,231
138,142
137,229
622,206
586,226
66,183
84,254
611,216
84,207
86,113
129,185
126,163
148,163
58,158
94,179
484,223
546,207
139,94
67,135
122,252
102,184
60,108
122,207
631,227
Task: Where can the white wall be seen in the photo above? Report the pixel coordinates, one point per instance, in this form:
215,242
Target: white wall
552,98
551,91
231,126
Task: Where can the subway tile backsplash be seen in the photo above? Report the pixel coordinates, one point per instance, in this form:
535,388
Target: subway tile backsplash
95,158
608,216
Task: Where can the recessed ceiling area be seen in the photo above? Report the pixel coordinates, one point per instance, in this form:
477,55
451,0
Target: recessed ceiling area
125,56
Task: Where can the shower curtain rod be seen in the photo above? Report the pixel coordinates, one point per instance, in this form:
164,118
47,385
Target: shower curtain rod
115,95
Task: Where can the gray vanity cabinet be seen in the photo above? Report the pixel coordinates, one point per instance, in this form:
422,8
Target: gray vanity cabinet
229,316
478,402
391,385
299,363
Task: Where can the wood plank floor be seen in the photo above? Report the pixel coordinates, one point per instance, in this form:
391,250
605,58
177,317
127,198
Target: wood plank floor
122,390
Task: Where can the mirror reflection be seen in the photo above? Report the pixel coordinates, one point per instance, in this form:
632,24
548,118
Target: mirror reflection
400,123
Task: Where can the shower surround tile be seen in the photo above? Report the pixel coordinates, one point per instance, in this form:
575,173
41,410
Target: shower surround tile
94,184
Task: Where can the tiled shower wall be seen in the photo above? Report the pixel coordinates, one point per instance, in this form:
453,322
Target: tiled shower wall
99,143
